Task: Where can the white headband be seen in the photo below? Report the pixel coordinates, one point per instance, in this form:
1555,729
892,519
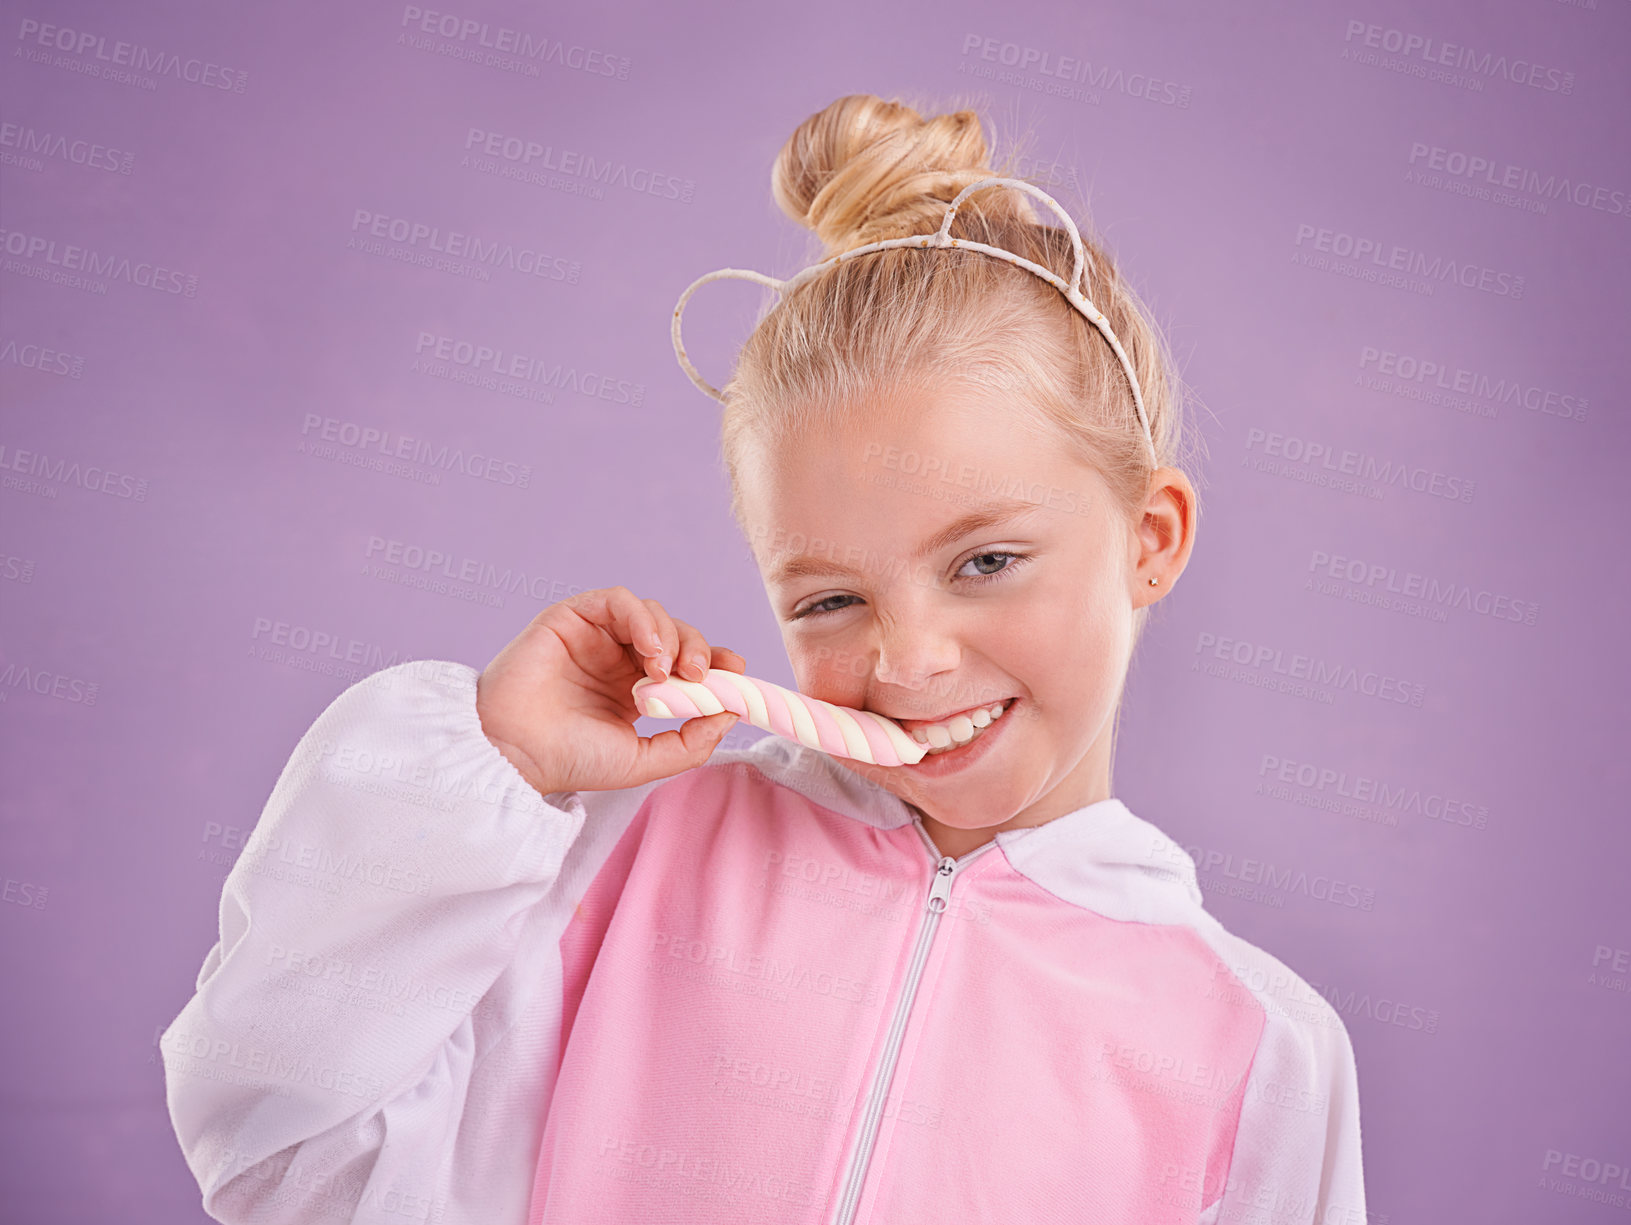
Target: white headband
941,238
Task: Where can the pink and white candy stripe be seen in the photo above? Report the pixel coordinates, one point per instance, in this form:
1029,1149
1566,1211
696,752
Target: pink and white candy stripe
839,730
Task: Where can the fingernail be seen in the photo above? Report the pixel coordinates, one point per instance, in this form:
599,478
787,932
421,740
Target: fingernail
662,663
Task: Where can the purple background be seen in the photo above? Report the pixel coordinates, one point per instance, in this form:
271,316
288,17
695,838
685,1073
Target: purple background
191,570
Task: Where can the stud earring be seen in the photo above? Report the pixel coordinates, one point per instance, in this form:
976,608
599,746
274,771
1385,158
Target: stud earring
1153,582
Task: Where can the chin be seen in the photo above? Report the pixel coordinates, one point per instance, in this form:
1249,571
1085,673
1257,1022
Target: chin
964,807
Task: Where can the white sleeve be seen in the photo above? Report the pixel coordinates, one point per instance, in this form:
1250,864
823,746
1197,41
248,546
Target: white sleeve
324,1067
1297,1155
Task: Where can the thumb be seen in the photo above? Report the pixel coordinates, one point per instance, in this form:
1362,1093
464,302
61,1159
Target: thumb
692,744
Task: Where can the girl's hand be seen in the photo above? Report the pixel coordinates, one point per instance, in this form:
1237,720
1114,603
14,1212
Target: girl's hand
558,700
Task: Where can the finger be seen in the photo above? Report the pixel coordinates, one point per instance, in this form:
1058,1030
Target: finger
694,657
670,635
638,623
593,629
724,657
619,613
671,752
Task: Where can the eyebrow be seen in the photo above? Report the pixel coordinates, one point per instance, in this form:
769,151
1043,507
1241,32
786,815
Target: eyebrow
808,565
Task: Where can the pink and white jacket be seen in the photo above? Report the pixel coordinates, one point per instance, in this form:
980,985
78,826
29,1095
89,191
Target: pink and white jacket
754,991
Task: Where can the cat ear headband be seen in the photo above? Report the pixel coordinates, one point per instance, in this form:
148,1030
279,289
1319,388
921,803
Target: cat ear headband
941,238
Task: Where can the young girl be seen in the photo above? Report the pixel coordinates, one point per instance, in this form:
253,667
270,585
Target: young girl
491,956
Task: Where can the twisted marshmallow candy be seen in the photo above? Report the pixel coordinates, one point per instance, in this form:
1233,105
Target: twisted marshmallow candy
839,730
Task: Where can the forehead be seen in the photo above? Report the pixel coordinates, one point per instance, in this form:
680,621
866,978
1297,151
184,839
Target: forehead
870,484
977,440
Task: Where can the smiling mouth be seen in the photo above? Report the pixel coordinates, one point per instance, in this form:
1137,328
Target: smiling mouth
965,727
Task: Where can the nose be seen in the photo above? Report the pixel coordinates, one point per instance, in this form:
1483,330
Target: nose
910,654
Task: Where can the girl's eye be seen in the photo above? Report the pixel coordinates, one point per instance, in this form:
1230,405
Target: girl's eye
817,608
987,573
984,576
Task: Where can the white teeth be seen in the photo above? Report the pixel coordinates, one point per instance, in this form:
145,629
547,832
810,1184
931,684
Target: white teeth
950,735
958,730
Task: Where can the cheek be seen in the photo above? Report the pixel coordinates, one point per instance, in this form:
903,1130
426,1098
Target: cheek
1071,621
1067,650
830,672
1084,605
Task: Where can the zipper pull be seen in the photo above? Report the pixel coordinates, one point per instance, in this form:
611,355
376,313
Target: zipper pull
941,889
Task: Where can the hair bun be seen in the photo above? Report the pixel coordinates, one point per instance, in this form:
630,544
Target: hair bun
864,169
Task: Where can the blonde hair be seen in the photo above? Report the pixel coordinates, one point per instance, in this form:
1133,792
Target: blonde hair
865,168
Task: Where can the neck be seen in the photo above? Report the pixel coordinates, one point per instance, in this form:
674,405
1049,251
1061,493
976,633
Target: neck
949,840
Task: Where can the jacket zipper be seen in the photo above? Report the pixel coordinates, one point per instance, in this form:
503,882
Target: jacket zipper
939,891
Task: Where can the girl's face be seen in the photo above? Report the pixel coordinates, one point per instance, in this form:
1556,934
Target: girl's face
935,557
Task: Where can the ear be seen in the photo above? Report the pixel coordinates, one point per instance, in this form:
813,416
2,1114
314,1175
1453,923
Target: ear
1164,536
